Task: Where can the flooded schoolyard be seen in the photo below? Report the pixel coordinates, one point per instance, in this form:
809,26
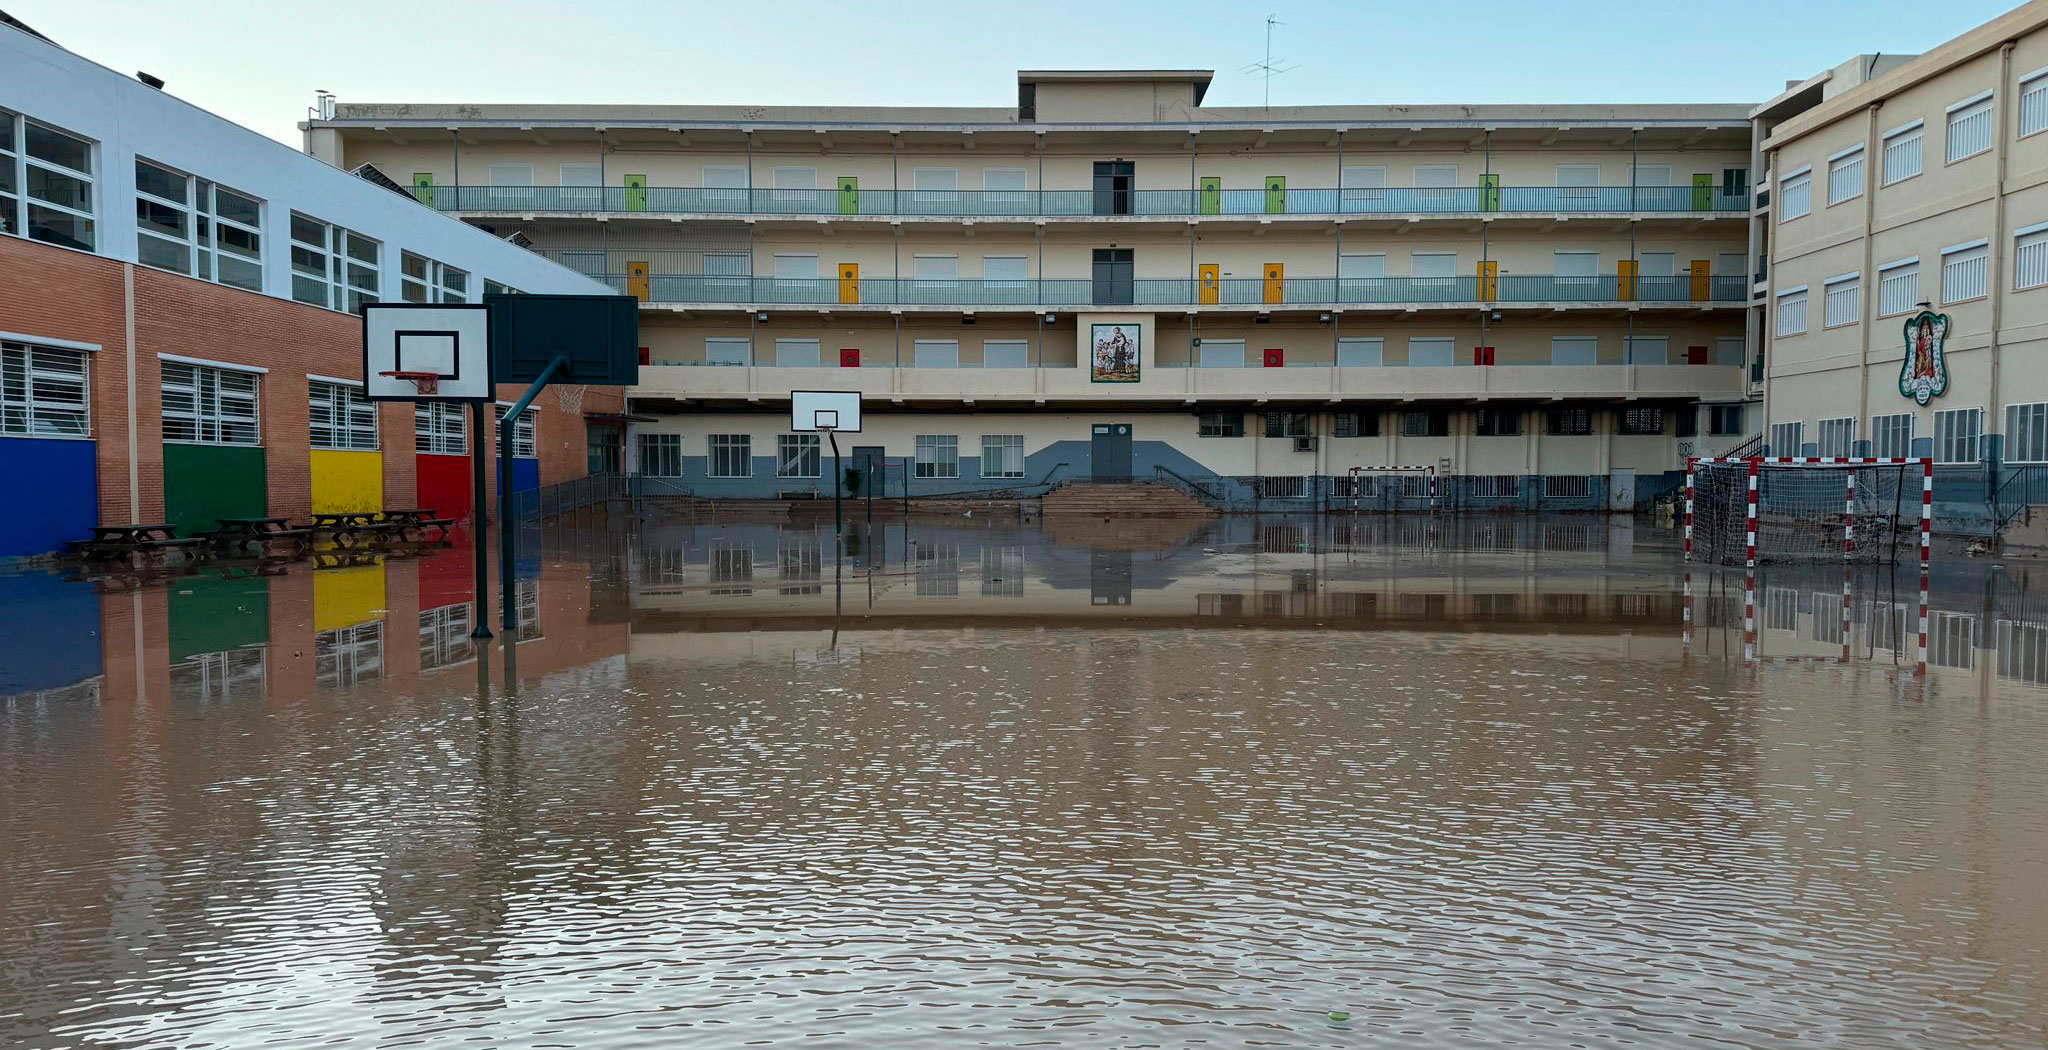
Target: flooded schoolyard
1315,782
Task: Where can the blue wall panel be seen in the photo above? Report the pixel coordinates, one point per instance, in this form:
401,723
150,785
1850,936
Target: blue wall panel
55,493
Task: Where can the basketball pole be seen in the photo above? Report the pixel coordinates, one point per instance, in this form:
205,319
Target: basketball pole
480,497
510,618
838,484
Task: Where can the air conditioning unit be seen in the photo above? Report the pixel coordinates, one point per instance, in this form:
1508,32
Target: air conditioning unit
1304,444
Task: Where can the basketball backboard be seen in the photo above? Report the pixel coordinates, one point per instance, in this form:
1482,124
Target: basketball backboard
815,410
599,334
404,341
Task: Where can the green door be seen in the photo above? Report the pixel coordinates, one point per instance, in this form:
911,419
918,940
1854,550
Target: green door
1276,194
1212,195
1489,193
423,187
636,193
205,483
849,195
1703,193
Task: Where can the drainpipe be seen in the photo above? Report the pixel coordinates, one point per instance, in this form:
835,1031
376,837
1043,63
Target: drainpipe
1999,240
455,151
750,169
1866,282
1767,324
1041,187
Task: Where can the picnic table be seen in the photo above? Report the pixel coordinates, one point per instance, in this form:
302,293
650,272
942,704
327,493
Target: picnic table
152,541
415,521
267,534
348,526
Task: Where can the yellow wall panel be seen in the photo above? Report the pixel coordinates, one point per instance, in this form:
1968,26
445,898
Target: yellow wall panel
346,597
344,481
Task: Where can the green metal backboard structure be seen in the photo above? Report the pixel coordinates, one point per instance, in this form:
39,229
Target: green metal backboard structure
592,340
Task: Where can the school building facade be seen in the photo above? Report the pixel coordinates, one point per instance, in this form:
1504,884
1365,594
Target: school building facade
1547,304
178,336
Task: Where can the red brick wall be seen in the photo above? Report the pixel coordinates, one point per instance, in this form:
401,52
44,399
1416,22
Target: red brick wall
56,293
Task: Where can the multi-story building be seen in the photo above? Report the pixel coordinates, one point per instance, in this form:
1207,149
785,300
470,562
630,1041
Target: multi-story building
178,339
1546,302
1912,187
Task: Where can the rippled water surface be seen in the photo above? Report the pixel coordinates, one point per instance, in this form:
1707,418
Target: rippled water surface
1245,784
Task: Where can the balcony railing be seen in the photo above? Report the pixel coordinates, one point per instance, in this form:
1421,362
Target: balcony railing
1548,200
1069,293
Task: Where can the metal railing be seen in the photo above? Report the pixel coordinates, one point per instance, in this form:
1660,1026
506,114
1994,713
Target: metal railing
574,494
853,201
2025,486
1200,490
1071,293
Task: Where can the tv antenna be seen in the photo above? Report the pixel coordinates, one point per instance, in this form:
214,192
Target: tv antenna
1271,67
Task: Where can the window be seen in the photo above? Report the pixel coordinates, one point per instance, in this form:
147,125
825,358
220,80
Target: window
1221,353
1576,270
798,353
1787,439
1216,423
1641,421
1005,353
1436,176
1568,422
1496,486
524,444
1795,195
1361,353
197,228
1898,286
938,456
2030,257
1647,349
1010,273
933,271
1845,175
1965,271
794,185
1837,436
935,353
2026,433
1002,455
1005,185
1286,424
725,185
1955,435
661,455
582,185
1724,420
1902,152
1792,311
1500,422
334,267
423,280
1574,350
2034,102
1649,174
795,273
1361,187
215,406
725,351
1357,424
935,184
1969,127
1843,301
438,429
1566,486
728,270
1433,422
1578,181
46,182
43,391
731,456
796,456
340,416
1891,436
1433,352
1438,265
511,185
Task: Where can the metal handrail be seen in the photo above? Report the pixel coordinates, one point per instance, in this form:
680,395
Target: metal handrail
1187,485
2033,481
1035,488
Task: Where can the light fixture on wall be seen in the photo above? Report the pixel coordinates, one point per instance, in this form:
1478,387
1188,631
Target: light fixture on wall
1050,318
1322,318
761,318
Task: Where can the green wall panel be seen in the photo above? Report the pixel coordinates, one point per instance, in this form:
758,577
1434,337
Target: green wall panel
204,483
210,614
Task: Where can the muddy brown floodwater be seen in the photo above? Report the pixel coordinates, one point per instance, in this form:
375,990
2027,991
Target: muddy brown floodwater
1251,783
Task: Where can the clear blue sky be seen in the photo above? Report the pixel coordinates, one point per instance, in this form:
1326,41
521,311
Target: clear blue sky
259,63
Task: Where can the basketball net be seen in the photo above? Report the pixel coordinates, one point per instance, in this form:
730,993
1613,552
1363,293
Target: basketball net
569,398
422,382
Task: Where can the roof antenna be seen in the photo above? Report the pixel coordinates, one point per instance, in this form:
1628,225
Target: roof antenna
1270,67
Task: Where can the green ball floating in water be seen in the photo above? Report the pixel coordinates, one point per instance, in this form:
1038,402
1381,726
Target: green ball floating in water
1339,1016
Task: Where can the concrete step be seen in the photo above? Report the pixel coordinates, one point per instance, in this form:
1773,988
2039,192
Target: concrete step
1135,499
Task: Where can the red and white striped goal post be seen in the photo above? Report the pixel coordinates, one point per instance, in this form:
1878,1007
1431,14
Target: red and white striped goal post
1755,465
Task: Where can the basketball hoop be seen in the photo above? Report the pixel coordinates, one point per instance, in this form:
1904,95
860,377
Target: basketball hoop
569,398
423,382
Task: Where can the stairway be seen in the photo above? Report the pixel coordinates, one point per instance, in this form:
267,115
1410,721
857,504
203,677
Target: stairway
1132,499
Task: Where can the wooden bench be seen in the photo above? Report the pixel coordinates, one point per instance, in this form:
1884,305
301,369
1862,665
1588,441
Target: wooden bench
269,536
144,544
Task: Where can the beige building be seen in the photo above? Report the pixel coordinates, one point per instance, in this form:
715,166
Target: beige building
1546,303
1900,188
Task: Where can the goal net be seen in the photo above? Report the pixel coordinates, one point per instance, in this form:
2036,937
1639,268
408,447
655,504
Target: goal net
1386,488
1787,509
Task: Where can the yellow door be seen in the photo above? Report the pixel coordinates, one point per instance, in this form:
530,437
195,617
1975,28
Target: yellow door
849,282
1702,281
636,281
1210,287
1276,283
1489,281
1626,271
